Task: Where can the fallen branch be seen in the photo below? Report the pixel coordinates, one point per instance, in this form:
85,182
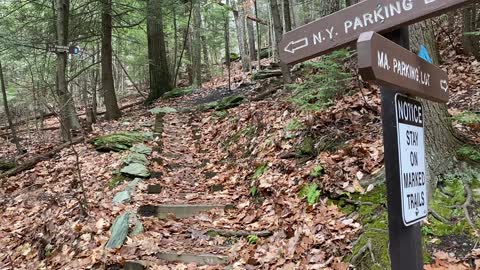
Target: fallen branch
240,233
32,162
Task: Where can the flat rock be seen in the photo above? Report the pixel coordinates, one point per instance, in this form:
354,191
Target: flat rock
141,149
154,189
135,157
131,265
119,231
136,170
201,259
121,197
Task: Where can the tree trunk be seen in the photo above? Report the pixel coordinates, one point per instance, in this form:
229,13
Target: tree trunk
68,116
251,37
239,17
440,138
160,81
227,45
259,43
471,43
328,7
7,112
286,15
110,98
196,45
206,62
277,25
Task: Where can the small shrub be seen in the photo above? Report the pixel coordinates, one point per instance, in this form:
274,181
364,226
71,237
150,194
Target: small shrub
317,171
310,192
468,118
259,171
295,125
468,152
328,81
252,239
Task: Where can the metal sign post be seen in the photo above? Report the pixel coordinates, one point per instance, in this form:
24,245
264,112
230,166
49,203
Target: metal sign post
405,242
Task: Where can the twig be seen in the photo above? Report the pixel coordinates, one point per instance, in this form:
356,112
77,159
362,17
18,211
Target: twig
357,202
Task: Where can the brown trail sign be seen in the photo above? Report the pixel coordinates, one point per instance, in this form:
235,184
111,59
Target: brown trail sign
389,64
343,27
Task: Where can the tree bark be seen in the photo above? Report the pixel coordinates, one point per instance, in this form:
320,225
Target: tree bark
471,43
68,116
227,45
277,25
239,17
259,43
7,112
160,81
328,7
251,37
286,15
440,138
196,45
110,98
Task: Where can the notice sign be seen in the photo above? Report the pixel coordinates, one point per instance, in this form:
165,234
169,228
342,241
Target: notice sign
411,151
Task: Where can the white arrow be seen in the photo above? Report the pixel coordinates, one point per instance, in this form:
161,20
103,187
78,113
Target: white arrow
292,46
444,85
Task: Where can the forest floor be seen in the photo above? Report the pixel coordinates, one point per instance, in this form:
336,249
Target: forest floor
261,185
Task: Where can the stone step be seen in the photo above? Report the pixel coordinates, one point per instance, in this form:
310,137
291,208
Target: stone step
179,210
201,259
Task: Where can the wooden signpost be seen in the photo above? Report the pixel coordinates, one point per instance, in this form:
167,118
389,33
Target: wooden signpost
343,27
387,62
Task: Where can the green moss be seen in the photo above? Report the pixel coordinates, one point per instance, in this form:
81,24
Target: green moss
468,118
294,125
259,171
317,171
119,141
116,180
5,165
221,105
310,192
177,92
469,153
220,114
306,146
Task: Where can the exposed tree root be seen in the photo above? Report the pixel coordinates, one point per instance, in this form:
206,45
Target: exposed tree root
439,217
367,246
465,206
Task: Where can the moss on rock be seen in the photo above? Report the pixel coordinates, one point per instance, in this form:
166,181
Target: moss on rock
178,92
5,165
119,141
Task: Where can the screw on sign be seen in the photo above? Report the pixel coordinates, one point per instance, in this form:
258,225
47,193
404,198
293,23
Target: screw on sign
343,27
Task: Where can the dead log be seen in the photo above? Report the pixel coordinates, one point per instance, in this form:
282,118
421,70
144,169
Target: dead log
264,74
32,162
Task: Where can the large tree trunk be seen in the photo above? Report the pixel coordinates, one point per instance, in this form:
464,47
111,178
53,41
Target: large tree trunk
251,37
68,116
239,17
160,81
440,138
110,99
196,45
7,112
277,25
328,7
286,15
471,23
227,45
